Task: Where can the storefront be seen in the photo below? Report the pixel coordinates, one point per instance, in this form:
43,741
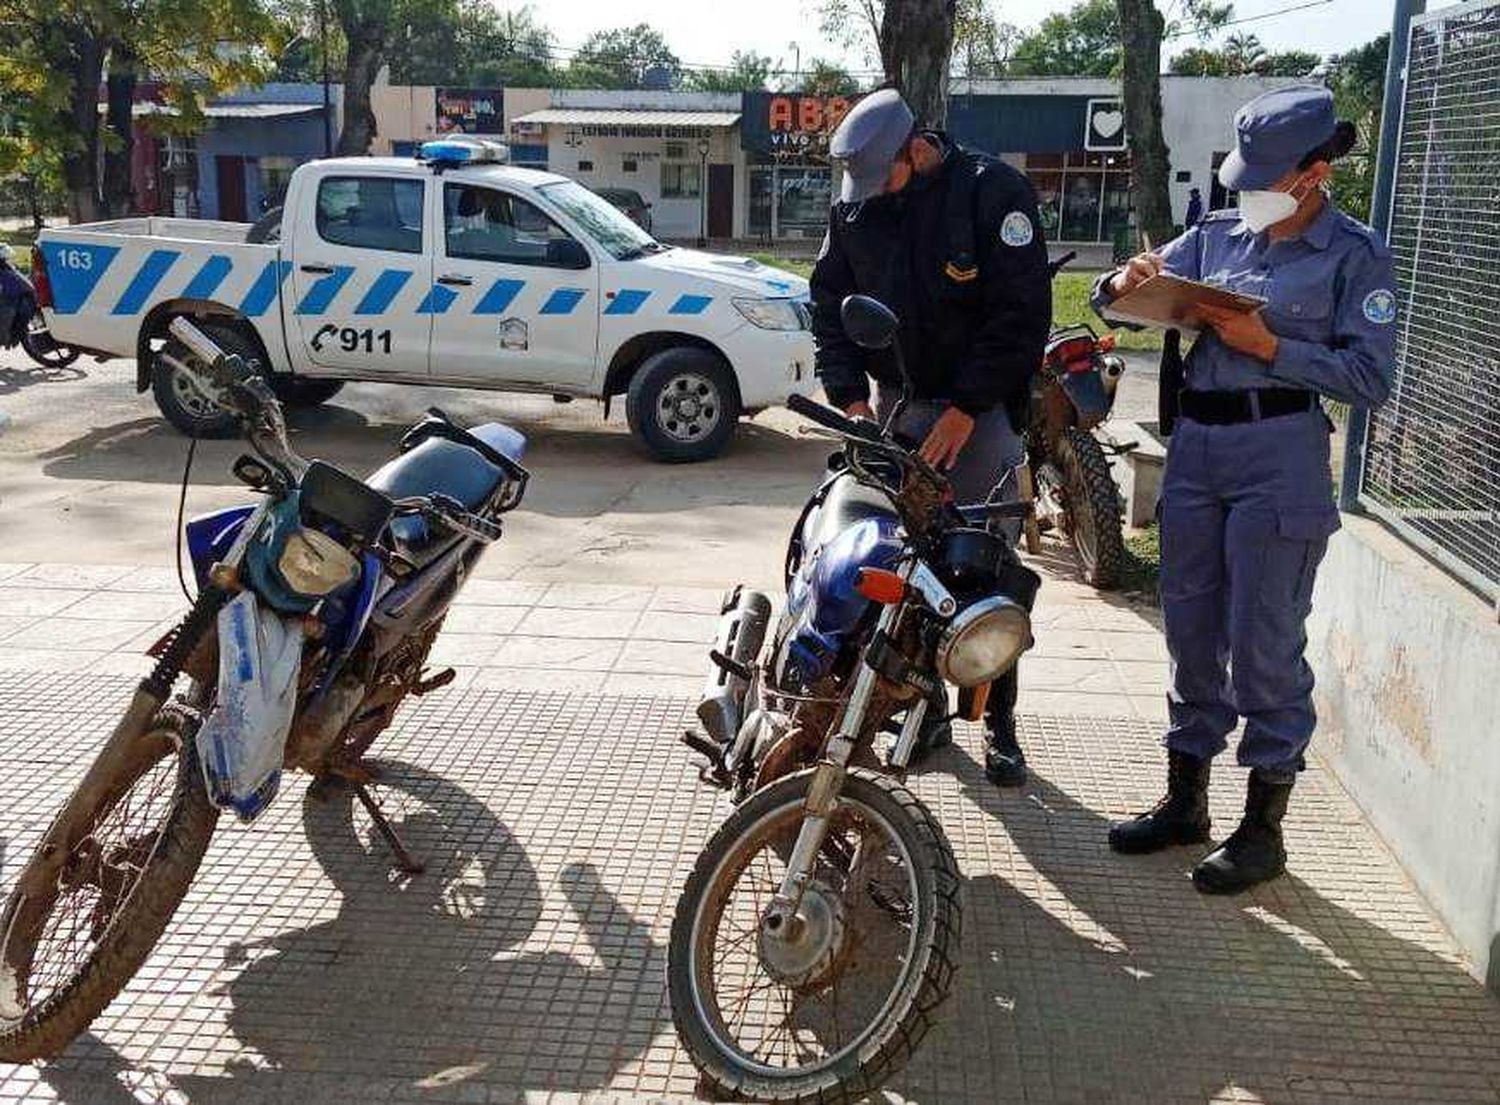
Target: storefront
790,180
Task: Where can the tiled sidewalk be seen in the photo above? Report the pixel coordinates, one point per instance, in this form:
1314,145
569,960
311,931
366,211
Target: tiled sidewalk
526,964
1091,657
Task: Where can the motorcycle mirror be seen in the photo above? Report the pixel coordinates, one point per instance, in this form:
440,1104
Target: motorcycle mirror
868,322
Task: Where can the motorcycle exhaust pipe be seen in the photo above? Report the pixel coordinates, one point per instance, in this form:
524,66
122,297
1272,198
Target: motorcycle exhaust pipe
742,630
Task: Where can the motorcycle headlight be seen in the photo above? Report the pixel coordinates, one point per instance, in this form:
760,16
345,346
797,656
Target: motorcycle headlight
312,563
983,641
770,314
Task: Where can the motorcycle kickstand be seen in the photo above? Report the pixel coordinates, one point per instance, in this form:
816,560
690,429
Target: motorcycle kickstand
406,863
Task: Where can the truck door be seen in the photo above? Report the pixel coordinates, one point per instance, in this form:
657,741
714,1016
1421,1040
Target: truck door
361,278
522,294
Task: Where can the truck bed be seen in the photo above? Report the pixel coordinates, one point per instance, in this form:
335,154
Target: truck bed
181,230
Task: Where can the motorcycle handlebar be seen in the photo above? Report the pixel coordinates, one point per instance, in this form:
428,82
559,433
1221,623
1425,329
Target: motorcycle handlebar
830,418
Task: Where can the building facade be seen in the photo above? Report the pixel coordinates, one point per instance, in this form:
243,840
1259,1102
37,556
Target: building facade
750,165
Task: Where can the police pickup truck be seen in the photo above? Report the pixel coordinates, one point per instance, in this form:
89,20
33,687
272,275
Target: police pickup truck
453,268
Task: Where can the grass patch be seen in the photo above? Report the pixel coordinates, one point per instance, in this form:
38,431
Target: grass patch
1070,301
1141,574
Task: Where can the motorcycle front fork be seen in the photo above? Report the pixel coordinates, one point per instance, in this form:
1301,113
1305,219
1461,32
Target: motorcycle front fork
780,917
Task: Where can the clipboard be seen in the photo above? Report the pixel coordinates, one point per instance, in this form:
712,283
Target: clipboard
1168,302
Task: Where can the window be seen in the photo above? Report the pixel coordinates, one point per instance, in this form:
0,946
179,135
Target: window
371,213
483,224
604,223
680,181
627,166
585,166
675,151
275,174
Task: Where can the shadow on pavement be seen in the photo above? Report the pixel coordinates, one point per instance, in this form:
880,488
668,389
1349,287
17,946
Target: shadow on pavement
13,380
1096,977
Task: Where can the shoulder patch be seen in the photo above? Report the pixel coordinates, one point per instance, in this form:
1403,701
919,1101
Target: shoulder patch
1380,307
1017,230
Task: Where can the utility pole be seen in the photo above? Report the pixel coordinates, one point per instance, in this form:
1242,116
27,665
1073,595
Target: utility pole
327,93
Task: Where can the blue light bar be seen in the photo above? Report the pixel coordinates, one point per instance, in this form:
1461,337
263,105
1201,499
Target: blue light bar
463,151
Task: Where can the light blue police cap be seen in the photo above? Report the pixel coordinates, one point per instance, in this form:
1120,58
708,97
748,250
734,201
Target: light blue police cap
1275,131
867,141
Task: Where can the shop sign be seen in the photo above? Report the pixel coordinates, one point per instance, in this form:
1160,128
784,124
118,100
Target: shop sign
470,111
791,125
1104,125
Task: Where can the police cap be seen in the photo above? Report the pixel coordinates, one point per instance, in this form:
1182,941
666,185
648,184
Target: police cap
1274,132
867,141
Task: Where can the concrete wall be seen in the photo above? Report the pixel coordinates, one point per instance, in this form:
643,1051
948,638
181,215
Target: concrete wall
1198,121
1408,668
403,113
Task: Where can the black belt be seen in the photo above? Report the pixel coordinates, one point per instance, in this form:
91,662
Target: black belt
1224,408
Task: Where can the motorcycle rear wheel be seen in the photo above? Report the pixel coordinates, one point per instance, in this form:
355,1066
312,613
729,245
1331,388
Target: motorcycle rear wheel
1092,514
67,951
42,348
917,917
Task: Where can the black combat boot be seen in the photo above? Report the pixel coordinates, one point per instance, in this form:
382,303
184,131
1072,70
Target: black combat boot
1179,818
1254,852
1004,762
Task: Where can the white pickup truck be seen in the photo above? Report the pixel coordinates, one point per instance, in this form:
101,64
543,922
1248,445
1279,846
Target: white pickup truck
454,269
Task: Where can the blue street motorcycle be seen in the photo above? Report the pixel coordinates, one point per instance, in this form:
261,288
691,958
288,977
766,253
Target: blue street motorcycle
819,927
315,613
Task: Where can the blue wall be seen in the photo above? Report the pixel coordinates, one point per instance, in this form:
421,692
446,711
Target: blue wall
299,137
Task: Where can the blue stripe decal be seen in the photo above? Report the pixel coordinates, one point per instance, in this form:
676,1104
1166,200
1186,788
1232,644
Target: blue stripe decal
627,301
321,294
207,279
562,301
499,297
74,269
144,282
262,293
437,300
383,292
691,304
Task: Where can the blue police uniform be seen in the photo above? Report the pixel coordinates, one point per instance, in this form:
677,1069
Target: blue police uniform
1247,501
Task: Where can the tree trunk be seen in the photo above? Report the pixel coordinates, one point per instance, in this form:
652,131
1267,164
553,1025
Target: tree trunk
1141,27
80,120
916,42
119,197
367,43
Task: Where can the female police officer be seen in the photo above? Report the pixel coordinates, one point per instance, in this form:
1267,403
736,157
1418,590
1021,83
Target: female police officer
1247,499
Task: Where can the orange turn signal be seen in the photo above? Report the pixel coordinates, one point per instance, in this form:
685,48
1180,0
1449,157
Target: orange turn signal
1106,343
879,585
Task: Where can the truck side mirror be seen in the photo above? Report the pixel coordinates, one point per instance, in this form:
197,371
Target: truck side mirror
565,253
868,322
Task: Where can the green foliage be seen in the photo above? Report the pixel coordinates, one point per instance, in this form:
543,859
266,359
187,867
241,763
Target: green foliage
748,71
1083,41
1358,82
826,78
1241,55
621,58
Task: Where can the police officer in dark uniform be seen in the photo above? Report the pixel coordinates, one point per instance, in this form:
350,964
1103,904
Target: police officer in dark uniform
1247,498
951,241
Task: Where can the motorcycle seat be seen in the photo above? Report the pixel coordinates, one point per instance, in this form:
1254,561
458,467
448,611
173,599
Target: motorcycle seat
441,467
848,501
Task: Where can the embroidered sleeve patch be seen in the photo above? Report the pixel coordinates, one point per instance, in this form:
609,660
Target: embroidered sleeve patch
1016,230
1380,306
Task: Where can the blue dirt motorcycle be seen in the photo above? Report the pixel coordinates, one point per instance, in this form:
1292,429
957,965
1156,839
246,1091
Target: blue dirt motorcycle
315,613
817,933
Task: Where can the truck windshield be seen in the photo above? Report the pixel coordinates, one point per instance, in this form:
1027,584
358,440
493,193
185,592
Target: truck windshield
606,224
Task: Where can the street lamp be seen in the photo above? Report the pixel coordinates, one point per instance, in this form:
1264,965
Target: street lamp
703,193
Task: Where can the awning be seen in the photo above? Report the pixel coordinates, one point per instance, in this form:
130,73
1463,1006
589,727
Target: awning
625,117
229,111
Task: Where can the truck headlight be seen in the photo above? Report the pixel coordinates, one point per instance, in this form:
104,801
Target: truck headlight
983,641
312,563
770,314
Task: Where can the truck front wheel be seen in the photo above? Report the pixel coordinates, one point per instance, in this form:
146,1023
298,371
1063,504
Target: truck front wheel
186,400
683,404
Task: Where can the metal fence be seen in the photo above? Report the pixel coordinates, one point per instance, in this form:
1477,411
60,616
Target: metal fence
1431,465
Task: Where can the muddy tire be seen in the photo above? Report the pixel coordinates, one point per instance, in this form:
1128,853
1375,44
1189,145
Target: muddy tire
1093,509
185,399
888,1040
39,1026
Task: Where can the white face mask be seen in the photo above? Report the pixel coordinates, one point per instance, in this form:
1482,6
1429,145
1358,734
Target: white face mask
1259,210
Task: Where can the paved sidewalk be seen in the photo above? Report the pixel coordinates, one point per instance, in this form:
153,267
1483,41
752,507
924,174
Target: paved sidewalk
559,818
1093,656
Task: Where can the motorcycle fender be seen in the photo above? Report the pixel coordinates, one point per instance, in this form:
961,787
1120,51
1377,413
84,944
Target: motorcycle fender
242,742
1085,390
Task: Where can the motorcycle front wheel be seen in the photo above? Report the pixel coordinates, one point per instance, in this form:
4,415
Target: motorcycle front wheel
70,943
1092,508
831,1011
